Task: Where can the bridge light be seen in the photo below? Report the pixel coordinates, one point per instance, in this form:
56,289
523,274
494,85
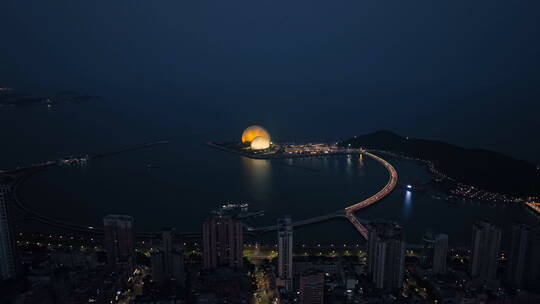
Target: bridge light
409,186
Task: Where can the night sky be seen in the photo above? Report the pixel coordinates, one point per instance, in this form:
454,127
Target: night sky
462,71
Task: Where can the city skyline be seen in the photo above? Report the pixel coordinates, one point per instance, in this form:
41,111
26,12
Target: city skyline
252,152
223,254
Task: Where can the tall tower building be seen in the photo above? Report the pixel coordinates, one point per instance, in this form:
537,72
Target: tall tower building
440,252
285,252
168,261
532,271
518,254
486,242
386,255
119,239
428,243
223,241
312,288
7,236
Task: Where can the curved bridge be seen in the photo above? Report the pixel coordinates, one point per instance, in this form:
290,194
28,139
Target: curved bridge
348,212
390,185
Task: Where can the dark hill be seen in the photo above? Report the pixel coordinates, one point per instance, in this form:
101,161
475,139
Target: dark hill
478,167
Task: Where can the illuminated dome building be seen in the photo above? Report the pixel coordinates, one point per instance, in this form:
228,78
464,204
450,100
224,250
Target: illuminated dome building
254,131
260,143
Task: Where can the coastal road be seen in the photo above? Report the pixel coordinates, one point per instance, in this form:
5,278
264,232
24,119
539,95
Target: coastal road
390,185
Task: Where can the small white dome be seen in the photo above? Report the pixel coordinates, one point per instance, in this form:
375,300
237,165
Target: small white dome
260,143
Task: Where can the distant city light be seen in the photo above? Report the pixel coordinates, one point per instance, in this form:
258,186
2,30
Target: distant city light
409,187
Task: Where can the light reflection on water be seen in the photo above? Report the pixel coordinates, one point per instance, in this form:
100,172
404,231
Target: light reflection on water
258,177
361,160
348,168
407,204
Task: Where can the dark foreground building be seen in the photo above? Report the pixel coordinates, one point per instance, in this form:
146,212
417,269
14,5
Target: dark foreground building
285,252
168,261
119,240
8,265
386,255
312,288
486,243
223,242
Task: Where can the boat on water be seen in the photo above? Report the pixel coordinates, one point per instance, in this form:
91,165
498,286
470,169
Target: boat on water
239,211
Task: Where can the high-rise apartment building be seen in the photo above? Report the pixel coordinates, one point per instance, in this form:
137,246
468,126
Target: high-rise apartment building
223,241
285,252
168,261
386,255
532,269
119,240
440,253
486,242
7,236
428,244
520,247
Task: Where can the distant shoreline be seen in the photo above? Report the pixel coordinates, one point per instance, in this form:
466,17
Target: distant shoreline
275,156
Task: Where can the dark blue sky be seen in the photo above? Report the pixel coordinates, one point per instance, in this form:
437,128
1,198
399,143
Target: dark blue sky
463,71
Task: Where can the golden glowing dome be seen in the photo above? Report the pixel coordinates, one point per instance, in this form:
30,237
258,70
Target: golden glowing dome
260,143
254,131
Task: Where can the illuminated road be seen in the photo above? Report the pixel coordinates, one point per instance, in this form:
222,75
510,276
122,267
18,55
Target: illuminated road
390,185
349,211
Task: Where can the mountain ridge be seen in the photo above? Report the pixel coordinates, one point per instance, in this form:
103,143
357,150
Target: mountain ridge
482,168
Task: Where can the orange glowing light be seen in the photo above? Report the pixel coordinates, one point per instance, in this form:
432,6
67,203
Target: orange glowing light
254,131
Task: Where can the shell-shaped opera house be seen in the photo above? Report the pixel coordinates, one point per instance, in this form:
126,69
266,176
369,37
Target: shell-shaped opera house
251,132
257,137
